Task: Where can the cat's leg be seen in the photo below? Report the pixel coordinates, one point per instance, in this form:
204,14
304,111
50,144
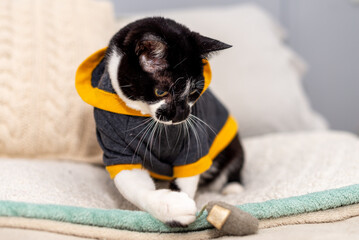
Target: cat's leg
187,185
225,172
171,207
233,185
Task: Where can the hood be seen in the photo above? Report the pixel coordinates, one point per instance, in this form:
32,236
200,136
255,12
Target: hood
88,86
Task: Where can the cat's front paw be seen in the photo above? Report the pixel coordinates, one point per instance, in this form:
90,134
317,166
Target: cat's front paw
173,208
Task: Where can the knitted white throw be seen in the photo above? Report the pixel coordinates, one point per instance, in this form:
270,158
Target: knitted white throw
41,44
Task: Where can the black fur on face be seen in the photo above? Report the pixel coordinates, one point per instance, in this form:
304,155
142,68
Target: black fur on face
161,66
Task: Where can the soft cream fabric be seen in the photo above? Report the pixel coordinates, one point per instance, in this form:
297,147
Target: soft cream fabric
99,232
282,165
41,44
277,166
259,78
332,215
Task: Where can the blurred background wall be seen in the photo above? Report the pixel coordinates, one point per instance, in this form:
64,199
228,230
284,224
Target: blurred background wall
324,32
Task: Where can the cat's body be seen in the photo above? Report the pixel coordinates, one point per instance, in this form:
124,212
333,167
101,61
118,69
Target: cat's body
172,127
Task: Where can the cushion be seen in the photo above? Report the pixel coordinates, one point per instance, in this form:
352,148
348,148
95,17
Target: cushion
259,79
41,45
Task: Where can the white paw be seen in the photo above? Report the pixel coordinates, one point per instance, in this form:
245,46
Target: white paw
232,188
173,208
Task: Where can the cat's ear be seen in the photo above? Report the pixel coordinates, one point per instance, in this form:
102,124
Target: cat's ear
151,52
208,45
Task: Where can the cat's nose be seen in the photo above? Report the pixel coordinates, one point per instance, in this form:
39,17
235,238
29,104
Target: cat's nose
181,114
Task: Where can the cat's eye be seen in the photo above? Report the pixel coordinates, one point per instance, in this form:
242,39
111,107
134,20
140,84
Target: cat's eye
160,93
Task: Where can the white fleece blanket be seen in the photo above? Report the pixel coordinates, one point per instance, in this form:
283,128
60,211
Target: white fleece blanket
277,166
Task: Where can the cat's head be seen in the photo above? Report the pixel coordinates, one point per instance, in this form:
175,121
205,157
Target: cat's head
156,67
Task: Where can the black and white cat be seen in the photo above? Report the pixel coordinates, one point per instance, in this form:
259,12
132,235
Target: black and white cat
172,126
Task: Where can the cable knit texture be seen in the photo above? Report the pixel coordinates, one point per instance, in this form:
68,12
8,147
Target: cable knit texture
41,44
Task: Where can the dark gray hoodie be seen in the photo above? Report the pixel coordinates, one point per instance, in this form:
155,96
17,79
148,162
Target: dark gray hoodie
131,140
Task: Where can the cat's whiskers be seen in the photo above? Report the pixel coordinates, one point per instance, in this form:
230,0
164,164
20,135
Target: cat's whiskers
148,128
188,137
148,125
180,63
203,122
153,129
144,130
159,139
143,122
200,81
168,143
152,139
149,143
178,135
199,124
174,84
200,84
198,141
201,128
128,85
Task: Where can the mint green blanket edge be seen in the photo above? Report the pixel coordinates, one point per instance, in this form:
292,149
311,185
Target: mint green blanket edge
144,222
